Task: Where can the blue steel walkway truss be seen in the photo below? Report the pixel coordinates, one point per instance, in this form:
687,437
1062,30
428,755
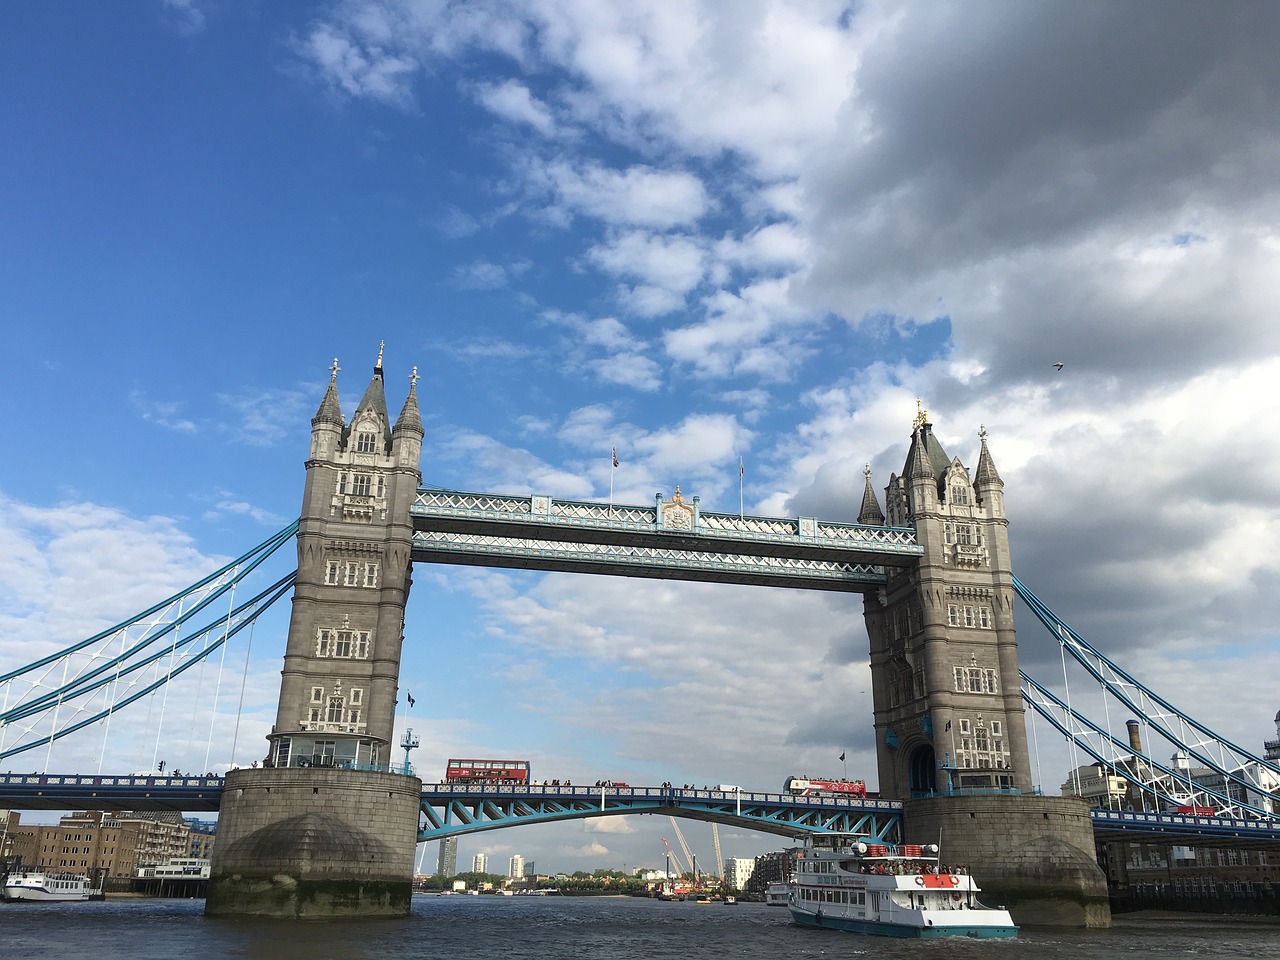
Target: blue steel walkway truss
453,809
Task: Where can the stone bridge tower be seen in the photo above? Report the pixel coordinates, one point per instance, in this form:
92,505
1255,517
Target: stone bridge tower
951,735
325,828
944,663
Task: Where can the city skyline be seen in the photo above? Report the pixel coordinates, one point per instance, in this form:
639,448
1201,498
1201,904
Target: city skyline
723,246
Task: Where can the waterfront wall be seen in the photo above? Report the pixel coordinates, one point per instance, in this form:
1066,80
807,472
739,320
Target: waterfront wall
1034,855
303,843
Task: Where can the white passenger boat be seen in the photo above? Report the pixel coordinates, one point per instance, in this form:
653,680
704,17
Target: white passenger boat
844,883
39,885
775,894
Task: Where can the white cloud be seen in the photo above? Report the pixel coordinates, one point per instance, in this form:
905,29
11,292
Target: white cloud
639,195
512,100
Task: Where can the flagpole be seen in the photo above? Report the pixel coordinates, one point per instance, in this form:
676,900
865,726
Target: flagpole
613,465
742,469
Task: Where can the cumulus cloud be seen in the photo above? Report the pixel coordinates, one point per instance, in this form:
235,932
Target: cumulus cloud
512,100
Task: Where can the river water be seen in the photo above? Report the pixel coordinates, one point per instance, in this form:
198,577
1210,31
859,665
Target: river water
581,928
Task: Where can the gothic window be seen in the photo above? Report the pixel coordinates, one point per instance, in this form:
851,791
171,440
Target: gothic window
353,574
953,615
357,696
381,486
335,710
342,645
995,728
961,684
342,484
360,484
362,645
968,617
960,494
964,726
980,741
353,717
323,643
975,681
984,618
315,714
992,681
317,694
964,533
370,574
331,572
365,442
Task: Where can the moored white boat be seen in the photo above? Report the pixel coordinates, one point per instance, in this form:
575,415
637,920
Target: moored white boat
775,895
42,886
843,883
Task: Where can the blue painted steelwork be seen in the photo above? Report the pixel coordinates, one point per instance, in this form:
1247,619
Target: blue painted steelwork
52,791
1237,767
1131,825
90,668
454,809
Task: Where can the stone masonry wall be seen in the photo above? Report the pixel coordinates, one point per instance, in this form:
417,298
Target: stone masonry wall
1034,855
313,843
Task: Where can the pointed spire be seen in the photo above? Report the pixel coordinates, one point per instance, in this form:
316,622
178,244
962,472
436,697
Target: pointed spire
870,514
330,410
985,475
410,418
918,465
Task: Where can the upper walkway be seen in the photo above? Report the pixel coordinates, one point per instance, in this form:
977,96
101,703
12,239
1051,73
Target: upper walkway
674,540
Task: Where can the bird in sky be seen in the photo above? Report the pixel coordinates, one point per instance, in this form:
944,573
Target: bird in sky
1058,366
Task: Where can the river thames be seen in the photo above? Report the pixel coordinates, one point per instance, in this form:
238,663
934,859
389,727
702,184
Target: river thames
559,928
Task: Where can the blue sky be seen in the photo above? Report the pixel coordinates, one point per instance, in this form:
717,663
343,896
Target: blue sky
696,232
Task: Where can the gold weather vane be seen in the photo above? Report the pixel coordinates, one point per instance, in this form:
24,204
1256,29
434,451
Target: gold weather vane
921,416
381,344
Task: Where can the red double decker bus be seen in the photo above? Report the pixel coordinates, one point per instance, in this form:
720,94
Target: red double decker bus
810,787
487,771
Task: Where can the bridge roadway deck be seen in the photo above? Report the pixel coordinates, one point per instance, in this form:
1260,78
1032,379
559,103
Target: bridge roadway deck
450,809
680,542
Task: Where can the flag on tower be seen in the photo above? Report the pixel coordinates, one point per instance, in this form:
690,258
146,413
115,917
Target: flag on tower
615,456
947,727
410,696
842,756
742,469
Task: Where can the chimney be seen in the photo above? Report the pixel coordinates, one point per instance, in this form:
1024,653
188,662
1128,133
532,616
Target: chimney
1135,738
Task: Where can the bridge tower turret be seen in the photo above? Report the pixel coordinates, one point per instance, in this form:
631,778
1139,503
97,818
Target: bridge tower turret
947,696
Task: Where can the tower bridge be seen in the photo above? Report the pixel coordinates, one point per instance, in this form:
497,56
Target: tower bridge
329,813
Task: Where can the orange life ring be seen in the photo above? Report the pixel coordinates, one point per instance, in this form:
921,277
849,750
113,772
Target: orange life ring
953,880
919,881
956,897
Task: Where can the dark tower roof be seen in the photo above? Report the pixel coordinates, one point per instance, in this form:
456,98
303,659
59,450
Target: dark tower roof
926,458
330,409
986,471
870,514
410,418
375,398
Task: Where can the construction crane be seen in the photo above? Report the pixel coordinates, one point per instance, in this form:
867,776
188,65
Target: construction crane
685,847
674,859
715,838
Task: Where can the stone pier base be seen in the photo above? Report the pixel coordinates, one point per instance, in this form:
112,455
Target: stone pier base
1033,855
314,843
